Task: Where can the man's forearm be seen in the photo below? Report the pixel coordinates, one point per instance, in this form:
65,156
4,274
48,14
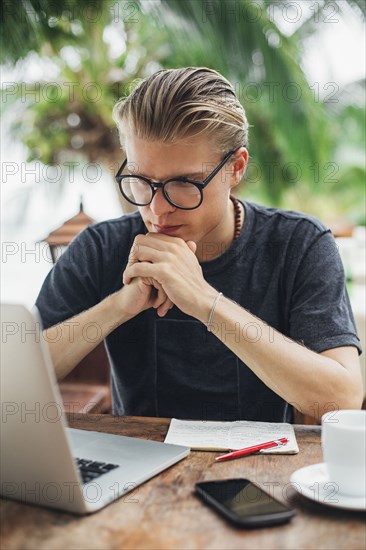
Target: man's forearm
302,377
70,341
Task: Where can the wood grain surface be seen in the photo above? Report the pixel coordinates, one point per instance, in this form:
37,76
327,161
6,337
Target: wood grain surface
164,513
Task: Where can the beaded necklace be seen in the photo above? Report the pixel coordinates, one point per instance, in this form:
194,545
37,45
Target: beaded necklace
237,217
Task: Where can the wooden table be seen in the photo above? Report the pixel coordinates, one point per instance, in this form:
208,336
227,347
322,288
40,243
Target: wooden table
163,513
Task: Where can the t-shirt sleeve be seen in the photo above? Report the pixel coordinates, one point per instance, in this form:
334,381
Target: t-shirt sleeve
73,284
320,314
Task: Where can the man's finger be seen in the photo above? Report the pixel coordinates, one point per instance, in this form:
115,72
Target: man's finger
161,296
192,245
160,241
164,308
162,303
141,269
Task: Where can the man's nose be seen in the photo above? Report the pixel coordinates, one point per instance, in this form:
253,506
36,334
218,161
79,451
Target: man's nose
159,205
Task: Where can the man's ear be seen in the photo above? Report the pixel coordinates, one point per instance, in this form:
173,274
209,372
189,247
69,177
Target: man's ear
240,163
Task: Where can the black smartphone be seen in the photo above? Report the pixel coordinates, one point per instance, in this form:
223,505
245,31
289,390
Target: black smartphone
243,503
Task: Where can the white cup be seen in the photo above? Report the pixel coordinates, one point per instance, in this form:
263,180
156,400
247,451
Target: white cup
344,450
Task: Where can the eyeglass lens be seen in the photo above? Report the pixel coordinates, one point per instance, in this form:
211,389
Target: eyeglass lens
180,193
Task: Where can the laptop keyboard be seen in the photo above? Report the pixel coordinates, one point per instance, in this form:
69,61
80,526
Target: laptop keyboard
90,469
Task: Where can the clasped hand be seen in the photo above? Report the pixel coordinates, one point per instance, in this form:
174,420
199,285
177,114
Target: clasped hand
166,272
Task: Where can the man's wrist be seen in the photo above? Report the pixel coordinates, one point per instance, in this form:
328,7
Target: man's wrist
117,314
205,303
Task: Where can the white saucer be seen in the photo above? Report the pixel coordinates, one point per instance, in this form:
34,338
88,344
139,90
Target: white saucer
313,482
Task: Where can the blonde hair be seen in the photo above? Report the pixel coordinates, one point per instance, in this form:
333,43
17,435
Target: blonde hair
176,104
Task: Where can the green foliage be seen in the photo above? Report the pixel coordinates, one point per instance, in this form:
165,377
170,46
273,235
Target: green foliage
296,140
88,83
264,67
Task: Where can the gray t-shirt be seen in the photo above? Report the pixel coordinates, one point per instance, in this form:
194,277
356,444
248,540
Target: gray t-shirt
284,268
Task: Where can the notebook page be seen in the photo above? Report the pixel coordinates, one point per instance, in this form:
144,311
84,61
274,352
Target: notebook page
222,436
244,434
199,434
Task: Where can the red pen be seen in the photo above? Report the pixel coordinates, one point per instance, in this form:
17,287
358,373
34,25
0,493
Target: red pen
254,449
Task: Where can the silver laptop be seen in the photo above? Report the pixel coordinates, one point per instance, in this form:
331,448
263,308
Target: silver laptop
43,461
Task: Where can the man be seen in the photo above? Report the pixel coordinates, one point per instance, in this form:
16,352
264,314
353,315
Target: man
210,307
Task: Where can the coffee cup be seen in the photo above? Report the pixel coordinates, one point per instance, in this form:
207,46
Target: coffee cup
344,450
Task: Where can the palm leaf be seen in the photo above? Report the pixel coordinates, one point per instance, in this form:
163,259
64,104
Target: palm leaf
286,132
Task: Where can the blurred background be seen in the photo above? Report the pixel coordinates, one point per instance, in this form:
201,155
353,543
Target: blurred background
298,68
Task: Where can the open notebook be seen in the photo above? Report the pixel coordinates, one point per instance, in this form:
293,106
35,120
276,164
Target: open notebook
222,436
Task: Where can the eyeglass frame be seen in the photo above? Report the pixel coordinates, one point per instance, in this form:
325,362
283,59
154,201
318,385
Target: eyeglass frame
154,185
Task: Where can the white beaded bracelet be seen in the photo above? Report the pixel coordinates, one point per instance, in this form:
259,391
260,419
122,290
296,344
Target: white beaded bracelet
212,312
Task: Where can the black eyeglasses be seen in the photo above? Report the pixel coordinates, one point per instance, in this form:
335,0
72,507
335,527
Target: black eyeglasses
183,193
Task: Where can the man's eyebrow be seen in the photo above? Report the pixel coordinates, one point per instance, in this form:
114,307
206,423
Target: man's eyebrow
193,175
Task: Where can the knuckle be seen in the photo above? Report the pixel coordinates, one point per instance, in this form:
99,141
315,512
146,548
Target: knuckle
178,244
170,256
134,251
138,239
166,270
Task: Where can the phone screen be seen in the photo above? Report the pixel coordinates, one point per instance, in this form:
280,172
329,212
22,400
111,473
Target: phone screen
244,502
